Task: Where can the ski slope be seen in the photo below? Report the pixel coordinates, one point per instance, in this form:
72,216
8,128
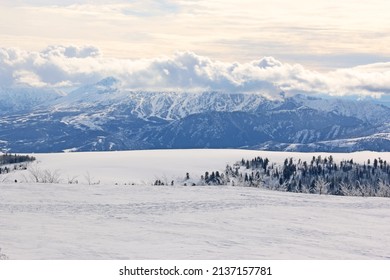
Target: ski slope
108,221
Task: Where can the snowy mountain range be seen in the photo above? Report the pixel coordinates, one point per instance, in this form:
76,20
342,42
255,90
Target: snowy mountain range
104,116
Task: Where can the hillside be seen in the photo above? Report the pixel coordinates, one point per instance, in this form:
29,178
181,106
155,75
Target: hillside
106,117
124,217
45,221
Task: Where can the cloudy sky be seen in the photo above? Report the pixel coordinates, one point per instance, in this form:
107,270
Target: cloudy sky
334,46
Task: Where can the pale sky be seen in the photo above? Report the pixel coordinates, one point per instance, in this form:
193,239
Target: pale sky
321,36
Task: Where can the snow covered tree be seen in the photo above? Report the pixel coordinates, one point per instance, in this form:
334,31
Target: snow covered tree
322,186
383,189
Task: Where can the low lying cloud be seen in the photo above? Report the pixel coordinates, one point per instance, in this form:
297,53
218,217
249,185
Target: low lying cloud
71,66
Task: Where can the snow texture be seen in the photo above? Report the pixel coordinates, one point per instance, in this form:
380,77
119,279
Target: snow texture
108,221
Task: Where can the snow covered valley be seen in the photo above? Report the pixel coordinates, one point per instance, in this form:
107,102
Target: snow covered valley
111,220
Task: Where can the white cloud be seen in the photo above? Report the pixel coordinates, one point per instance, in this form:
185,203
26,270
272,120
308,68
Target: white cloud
71,51
27,77
75,66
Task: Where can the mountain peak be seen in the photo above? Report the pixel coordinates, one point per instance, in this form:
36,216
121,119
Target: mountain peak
103,115
108,82
107,85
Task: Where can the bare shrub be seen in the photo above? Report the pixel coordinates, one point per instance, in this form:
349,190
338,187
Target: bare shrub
35,173
52,177
4,178
38,175
322,186
90,180
3,256
73,180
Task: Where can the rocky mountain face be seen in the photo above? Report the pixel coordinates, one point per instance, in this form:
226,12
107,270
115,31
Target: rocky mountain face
105,117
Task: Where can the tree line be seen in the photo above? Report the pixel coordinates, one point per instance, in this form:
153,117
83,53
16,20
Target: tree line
321,175
13,159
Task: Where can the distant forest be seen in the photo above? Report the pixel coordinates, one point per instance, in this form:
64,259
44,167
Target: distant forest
15,160
319,176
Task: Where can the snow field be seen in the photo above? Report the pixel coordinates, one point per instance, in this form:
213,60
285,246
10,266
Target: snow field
144,167
108,221
44,221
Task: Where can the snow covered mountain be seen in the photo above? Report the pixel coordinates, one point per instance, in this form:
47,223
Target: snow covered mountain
24,99
104,116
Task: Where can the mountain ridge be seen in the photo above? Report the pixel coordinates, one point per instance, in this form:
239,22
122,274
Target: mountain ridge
103,116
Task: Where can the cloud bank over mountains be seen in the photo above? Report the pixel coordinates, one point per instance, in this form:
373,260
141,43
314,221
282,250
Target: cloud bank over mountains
72,66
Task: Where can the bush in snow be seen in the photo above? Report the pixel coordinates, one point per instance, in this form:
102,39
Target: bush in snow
3,256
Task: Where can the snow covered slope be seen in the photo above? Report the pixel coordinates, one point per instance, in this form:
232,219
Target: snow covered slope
146,222
25,99
109,221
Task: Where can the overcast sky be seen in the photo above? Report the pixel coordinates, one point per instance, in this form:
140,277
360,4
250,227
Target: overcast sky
319,36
